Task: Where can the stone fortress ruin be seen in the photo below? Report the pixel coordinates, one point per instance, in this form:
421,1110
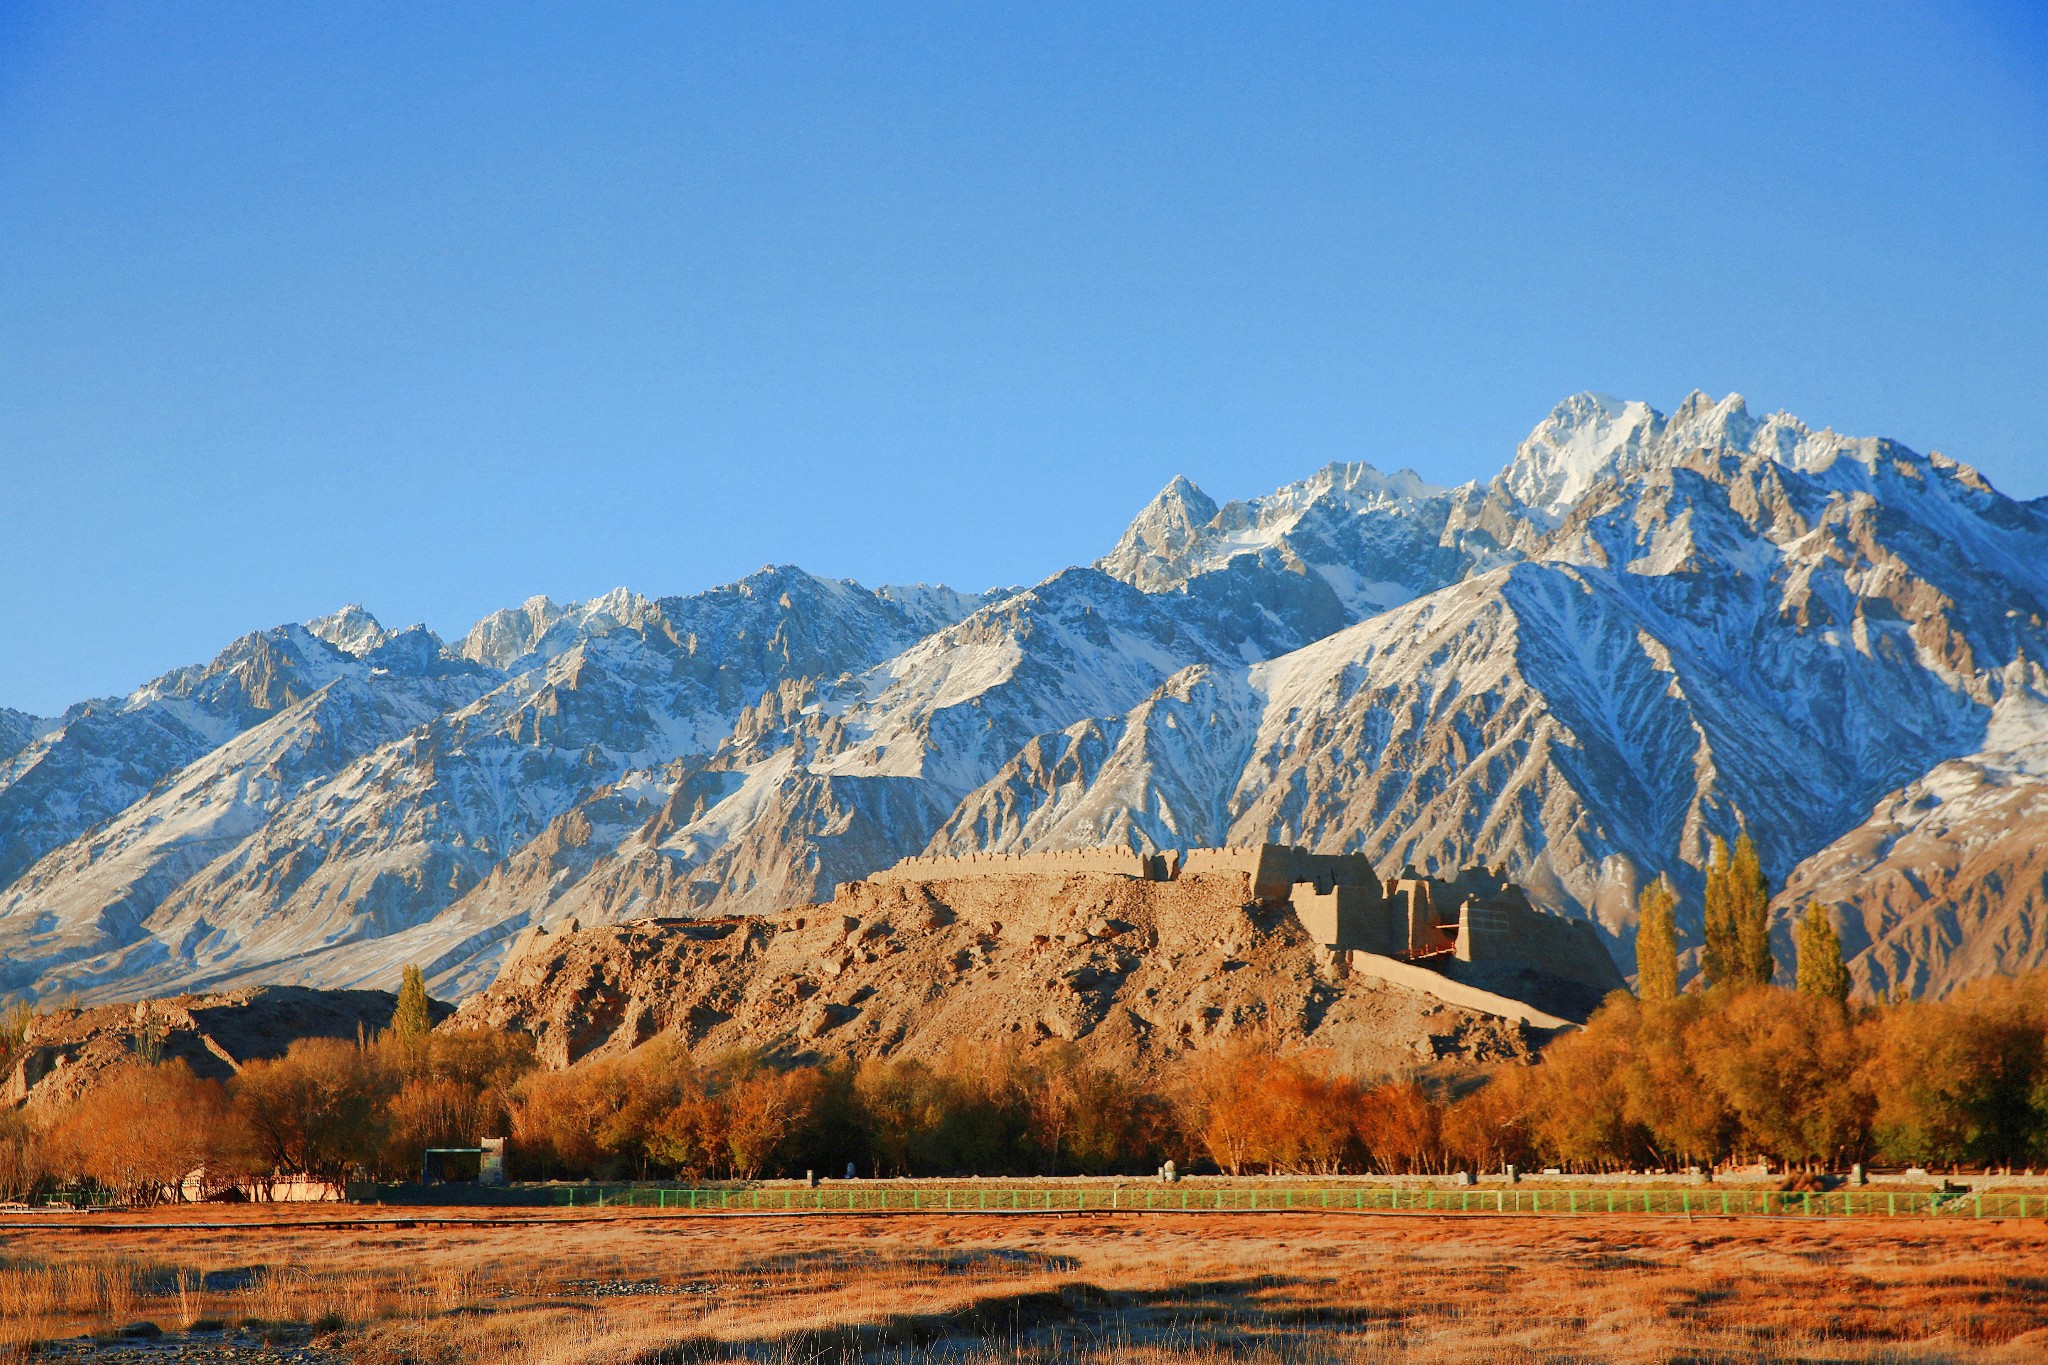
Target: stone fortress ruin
1473,939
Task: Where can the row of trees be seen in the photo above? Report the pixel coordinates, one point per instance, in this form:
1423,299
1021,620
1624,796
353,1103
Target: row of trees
1728,1075
1736,951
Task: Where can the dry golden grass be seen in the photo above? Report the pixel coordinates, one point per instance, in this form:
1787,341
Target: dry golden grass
1169,1290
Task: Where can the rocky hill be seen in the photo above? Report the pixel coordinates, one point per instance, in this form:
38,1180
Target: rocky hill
64,1050
1647,630
1144,972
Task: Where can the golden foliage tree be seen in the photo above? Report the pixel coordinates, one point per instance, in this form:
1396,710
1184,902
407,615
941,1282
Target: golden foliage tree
1489,1128
1786,1065
1738,918
599,1117
1966,1078
1657,941
141,1131
321,1110
1249,1108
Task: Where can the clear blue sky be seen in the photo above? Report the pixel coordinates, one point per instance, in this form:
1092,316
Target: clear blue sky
437,307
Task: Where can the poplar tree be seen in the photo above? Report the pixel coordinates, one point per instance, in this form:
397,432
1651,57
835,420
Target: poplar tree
1719,955
1821,972
1751,897
1738,918
1657,941
412,1020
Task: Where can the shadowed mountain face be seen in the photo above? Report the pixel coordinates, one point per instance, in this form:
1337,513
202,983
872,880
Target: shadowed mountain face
1646,631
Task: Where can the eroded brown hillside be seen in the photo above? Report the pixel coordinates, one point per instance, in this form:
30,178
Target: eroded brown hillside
1138,972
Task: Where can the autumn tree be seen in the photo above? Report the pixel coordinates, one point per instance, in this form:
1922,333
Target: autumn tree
1821,973
1657,941
321,1110
1081,1116
764,1110
447,1089
1489,1128
1580,1112
141,1131
903,1107
1670,1108
1401,1128
1966,1078
23,1163
603,1116
1787,1066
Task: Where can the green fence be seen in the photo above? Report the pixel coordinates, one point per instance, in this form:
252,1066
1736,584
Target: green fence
1858,1203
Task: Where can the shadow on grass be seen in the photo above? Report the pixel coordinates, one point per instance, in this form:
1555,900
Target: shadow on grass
1220,1319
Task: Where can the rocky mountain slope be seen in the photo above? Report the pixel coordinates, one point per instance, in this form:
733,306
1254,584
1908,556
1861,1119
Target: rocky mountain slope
1646,631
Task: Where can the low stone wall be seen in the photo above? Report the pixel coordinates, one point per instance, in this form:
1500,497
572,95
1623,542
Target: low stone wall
1417,978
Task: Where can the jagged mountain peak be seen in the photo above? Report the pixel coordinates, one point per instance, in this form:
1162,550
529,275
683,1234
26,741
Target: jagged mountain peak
1584,439
19,729
1160,540
352,630
1370,535
1590,438
539,626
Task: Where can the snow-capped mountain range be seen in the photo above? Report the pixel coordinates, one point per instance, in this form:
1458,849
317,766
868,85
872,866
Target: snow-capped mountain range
1644,632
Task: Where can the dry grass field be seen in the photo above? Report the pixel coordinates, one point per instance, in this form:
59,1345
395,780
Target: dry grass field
1135,1288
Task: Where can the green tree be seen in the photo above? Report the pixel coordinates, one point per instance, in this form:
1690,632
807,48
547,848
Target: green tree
1738,919
1821,972
411,1020
1718,955
1657,941
1752,895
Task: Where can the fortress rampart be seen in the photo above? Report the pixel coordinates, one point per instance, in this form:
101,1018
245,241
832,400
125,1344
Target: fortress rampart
1114,862
1271,871
1475,923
